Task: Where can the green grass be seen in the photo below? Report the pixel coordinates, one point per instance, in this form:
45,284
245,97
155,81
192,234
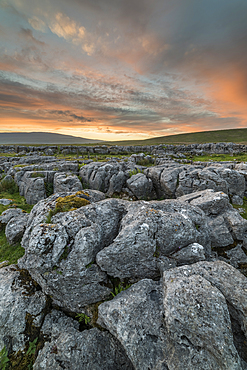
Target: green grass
18,201
234,135
242,157
95,157
8,252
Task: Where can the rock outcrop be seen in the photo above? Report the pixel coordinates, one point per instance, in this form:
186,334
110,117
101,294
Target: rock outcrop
108,283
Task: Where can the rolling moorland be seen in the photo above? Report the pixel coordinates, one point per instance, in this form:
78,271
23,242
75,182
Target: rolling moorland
39,138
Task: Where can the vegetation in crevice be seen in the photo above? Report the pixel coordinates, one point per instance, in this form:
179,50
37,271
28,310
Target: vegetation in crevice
49,188
35,340
242,208
4,359
37,174
135,172
68,203
118,289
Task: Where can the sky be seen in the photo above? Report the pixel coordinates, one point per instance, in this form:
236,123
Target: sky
122,69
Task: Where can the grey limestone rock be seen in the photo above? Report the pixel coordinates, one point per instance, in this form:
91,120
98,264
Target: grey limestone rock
135,318
15,228
61,256
64,182
150,230
116,183
10,213
33,188
192,253
211,202
194,179
20,299
225,223
140,186
237,256
198,324
230,282
5,202
71,349
41,210
104,176
220,234
165,179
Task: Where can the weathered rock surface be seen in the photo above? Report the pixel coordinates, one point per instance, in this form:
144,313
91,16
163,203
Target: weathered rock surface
184,324
104,176
187,307
198,324
219,179
22,304
10,213
192,253
230,282
225,223
150,230
140,186
135,318
65,267
71,349
5,202
33,188
15,228
66,182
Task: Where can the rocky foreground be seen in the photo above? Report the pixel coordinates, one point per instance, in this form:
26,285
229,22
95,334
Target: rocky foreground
112,283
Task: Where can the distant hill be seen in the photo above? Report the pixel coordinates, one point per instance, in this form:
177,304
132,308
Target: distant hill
42,138
234,135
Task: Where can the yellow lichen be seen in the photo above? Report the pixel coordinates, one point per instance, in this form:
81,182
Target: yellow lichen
69,202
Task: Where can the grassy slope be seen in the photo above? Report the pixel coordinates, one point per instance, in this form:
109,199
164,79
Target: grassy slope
235,135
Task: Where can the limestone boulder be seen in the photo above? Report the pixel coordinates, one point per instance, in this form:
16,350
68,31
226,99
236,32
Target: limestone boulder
22,307
15,228
68,348
65,182
140,186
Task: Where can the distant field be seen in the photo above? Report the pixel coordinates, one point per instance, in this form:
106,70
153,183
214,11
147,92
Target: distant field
235,136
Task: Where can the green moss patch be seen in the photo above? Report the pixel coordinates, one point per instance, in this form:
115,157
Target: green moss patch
68,203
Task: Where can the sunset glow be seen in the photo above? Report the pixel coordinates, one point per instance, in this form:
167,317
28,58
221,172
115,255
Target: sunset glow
121,70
